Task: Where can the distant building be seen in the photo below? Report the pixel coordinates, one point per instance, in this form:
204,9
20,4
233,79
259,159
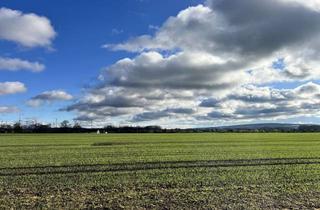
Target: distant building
98,131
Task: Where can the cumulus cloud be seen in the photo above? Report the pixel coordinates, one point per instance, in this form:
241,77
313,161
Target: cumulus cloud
29,30
49,97
219,60
179,71
8,109
244,28
11,88
266,103
15,64
170,112
113,102
248,34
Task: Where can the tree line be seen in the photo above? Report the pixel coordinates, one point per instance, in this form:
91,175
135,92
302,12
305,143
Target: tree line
66,127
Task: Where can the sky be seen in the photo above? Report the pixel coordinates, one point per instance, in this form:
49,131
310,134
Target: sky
191,63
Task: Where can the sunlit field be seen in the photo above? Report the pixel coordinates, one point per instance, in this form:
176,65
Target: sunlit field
160,171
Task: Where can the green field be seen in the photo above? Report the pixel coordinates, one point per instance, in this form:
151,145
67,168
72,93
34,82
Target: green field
160,171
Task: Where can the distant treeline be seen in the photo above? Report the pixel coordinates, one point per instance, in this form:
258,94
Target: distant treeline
66,127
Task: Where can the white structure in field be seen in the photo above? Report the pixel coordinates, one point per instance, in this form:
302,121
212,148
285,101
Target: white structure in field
98,131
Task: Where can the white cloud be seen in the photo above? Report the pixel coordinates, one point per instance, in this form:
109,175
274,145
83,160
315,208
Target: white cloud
242,37
8,109
253,102
171,35
179,71
49,97
220,54
11,88
15,64
29,30
311,4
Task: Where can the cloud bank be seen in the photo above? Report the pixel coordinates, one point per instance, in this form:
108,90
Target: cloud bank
220,60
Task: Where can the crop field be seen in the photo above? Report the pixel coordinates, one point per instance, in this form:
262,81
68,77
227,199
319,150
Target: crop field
160,171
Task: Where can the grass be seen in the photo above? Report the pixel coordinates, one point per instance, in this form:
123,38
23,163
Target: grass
160,171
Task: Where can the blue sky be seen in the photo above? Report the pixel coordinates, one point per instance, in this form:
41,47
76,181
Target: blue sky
82,28
183,61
